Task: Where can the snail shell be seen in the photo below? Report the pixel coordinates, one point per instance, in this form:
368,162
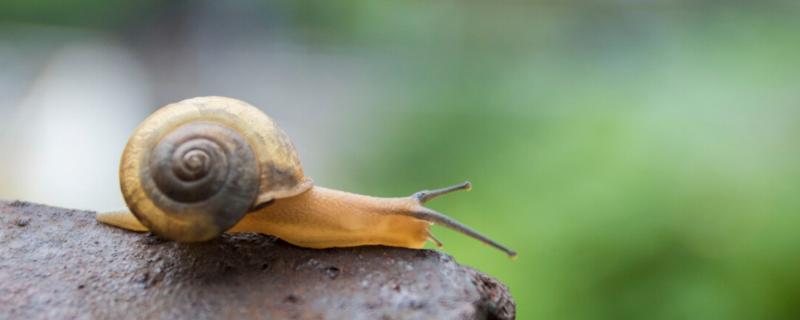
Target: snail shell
194,168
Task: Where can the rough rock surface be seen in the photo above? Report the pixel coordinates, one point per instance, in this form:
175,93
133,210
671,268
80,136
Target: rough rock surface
60,264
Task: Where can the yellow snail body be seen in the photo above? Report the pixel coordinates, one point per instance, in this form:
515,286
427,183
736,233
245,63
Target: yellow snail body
203,166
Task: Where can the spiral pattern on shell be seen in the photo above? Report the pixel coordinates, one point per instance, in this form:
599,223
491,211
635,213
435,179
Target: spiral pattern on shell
203,175
191,164
194,168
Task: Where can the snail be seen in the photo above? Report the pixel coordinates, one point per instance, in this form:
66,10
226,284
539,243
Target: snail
207,165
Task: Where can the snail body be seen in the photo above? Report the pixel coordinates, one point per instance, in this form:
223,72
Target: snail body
203,166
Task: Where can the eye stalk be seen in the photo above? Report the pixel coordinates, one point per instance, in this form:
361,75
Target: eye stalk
427,195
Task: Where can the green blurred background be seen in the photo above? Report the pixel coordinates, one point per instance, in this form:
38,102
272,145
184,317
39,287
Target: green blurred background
642,156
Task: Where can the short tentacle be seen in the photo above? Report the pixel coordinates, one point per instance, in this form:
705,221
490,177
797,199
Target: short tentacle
433,239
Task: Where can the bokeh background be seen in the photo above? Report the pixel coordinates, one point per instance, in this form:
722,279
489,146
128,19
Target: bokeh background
642,156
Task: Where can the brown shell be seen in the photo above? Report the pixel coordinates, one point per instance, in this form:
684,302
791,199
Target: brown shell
258,147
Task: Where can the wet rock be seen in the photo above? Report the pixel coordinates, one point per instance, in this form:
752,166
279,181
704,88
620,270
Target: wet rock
58,264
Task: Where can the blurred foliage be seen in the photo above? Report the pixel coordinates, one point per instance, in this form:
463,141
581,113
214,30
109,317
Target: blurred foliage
643,161
641,156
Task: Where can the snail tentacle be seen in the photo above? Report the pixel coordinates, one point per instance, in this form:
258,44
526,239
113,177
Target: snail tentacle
421,212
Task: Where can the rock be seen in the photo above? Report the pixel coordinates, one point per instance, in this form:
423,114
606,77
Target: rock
58,263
